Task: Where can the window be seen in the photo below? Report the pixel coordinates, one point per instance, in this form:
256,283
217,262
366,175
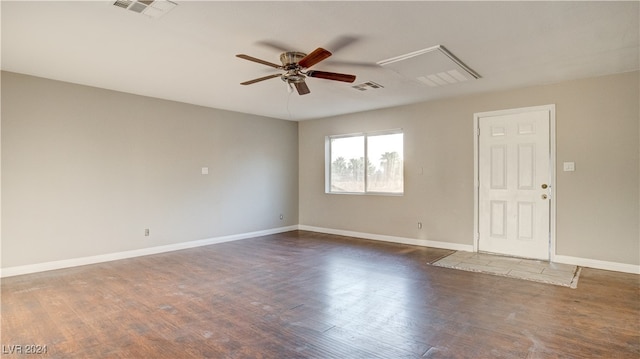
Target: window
382,172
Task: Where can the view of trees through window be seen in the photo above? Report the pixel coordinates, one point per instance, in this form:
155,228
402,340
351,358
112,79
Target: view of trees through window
381,172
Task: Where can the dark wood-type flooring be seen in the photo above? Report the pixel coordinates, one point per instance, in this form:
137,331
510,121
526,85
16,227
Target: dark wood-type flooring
308,295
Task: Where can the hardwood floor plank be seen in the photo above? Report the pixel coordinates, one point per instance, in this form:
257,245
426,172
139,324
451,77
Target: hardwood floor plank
308,295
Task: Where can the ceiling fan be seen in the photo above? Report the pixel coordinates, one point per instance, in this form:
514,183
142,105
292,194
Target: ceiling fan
296,68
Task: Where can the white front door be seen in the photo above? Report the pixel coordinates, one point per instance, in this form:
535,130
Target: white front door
514,182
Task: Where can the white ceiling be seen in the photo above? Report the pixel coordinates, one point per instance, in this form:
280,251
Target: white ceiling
188,54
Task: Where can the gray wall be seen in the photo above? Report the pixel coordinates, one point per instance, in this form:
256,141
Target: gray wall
597,127
86,170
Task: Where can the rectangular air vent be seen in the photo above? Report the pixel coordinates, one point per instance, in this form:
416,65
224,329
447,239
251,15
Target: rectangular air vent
367,85
151,8
122,3
434,66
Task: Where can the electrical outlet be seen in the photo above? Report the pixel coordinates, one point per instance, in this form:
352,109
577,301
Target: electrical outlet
146,232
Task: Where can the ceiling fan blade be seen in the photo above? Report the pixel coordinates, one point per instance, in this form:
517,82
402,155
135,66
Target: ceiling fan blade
251,58
259,79
278,46
313,58
331,76
340,42
302,88
371,65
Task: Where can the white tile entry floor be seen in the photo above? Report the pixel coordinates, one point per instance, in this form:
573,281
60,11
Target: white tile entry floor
539,271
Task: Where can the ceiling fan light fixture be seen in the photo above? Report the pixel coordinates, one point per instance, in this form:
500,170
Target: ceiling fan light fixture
292,76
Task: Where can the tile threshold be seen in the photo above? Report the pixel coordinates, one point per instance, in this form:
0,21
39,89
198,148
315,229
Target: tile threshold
519,268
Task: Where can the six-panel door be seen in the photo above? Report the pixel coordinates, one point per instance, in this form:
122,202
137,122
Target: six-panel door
514,174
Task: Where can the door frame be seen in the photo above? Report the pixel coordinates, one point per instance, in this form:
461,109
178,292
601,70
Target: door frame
552,172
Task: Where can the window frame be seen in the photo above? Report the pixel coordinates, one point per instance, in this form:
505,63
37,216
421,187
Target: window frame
366,136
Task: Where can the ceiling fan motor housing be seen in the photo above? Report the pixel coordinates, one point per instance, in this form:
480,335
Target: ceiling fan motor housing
290,64
291,58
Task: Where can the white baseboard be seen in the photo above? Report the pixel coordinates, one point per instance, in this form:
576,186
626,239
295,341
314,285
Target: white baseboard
598,264
75,262
582,262
393,239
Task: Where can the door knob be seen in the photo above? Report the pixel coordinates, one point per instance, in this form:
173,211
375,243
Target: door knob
544,196
544,186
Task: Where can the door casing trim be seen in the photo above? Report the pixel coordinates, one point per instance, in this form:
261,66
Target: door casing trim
552,170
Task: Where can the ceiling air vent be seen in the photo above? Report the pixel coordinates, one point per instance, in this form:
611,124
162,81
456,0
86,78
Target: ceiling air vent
151,8
434,66
367,86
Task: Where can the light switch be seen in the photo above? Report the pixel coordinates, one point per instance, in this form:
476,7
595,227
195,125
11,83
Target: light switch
205,170
569,166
